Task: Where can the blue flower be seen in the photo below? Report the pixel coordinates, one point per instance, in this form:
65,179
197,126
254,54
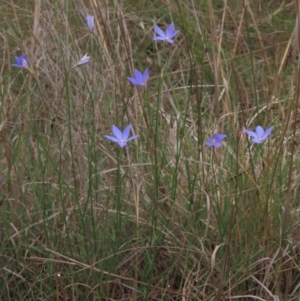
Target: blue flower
121,137
139,79
260,135
215,140
166,36
89,20
84,60
21,62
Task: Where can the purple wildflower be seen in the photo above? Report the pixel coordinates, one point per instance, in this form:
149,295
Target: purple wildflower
166,36
21,62
139,79
260,135
215,140
84,60
89,20
121,137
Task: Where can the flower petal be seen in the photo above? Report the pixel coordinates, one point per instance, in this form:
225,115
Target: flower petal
170,30
84,60
159,31
111,138
19,60
267,132
89,20
145,76
259,131
217,144
122,143
126,132
132,80
138,76
220,137
251,133
174,34
118,134
132,137
24,57
24,64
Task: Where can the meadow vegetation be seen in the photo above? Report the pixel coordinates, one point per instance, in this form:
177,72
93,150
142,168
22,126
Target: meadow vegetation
165,217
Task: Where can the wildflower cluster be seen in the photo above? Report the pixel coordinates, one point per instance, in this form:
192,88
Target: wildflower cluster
258,137
139,80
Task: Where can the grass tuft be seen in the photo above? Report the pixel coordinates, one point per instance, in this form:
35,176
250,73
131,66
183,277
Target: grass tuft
166,217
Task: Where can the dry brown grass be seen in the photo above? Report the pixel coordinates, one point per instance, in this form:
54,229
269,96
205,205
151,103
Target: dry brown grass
165,218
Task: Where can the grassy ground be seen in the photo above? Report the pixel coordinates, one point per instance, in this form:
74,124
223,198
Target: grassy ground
166,217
